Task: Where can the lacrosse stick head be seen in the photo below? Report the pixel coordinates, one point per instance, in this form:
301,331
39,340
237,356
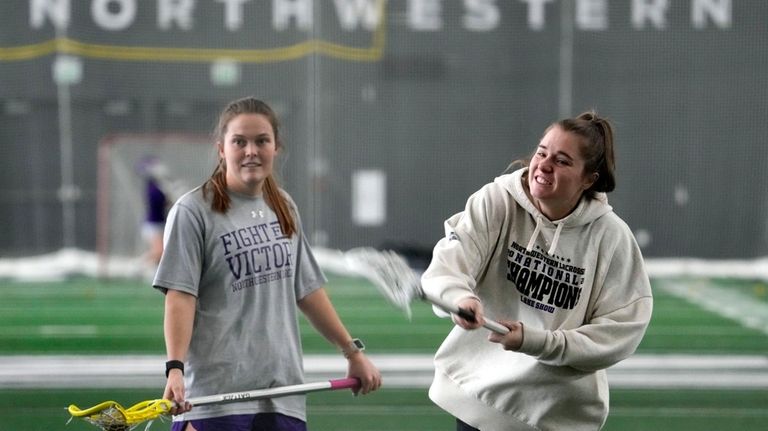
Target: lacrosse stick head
111,416
389,272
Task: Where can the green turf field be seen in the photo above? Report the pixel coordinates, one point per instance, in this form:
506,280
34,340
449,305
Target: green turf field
87,316
410,410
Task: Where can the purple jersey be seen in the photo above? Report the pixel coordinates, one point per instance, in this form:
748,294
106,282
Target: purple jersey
156,203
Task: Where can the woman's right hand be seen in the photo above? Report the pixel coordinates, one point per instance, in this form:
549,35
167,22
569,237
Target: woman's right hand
174,391
362,368
474,306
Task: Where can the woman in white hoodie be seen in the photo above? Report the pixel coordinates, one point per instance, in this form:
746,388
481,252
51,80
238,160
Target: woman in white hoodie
540,251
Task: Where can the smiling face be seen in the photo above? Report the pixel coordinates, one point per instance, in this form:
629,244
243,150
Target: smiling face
556,177
248,149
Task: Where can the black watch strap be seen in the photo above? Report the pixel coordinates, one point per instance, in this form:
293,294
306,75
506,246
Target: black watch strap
170,365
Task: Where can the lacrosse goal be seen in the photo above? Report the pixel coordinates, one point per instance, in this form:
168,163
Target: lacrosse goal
182,161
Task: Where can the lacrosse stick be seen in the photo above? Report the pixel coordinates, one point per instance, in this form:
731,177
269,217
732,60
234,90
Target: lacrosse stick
400,284
111,416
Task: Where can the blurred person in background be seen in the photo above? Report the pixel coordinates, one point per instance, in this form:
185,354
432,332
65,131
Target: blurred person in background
157,202
235,269
540,250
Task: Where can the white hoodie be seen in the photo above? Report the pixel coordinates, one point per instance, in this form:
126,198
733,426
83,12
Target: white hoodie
578,285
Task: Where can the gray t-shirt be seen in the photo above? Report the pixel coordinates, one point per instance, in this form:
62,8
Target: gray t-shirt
247,277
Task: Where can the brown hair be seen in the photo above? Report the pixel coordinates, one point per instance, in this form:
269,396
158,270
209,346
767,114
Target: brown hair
596,135
217,183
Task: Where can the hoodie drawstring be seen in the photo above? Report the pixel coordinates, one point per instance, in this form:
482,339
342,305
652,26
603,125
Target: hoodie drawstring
555,239
536,232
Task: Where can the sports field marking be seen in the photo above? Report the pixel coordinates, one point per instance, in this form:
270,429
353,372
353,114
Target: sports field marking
685,412
682,330
76,331
729,303
399,371
69,330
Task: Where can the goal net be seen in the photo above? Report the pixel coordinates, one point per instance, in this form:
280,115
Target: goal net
179,162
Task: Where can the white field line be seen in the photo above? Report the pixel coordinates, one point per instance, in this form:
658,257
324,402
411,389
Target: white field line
729,303
398,370
66,262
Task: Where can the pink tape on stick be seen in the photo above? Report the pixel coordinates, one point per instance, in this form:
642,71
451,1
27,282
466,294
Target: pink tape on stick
348,383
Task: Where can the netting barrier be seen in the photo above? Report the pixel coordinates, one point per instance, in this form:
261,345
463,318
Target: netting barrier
393,112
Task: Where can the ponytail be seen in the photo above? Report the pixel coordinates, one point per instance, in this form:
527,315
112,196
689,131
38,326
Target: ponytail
279,204
221,202
596,134
217,185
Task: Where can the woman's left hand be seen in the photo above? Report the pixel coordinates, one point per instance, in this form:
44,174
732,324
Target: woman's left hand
513,339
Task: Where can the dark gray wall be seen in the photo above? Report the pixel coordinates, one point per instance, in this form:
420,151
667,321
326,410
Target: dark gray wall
441,111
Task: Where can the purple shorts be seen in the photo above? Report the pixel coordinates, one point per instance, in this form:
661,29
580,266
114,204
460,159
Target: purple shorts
256,422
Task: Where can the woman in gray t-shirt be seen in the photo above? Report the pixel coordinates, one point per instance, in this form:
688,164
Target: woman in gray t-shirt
234,269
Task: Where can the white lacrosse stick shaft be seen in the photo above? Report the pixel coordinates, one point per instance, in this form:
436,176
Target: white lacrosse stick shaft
281,391
466,314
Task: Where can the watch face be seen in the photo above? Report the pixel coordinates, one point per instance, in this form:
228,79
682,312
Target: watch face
353,347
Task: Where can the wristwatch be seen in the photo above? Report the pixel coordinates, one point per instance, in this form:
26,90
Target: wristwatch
354,346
